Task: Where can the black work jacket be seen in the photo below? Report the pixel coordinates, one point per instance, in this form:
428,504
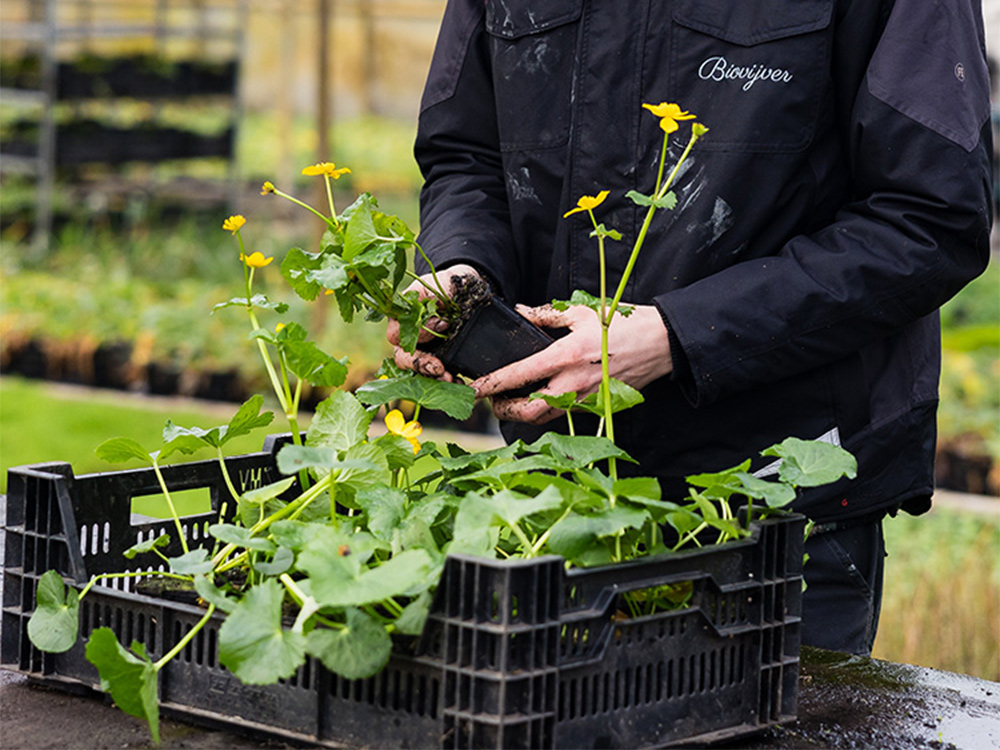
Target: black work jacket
841,196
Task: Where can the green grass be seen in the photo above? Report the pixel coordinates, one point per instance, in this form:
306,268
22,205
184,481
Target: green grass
941,606
40,423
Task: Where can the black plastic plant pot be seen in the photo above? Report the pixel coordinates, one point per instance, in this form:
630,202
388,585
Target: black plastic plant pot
493,336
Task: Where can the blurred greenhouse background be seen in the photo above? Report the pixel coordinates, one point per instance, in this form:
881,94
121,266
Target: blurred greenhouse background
129,129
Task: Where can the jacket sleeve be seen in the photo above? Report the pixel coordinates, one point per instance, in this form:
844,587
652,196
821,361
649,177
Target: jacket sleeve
914,230
464,216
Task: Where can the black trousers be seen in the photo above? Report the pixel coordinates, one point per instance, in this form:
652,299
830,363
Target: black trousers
843,596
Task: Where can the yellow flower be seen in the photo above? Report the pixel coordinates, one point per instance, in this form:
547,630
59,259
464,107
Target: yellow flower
267,187
588,203
233,223
396,423
278,327
327,168
255,260
669,114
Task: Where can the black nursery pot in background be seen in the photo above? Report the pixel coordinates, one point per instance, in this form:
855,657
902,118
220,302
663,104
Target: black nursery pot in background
493,336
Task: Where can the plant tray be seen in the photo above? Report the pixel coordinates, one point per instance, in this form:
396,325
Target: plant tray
515,654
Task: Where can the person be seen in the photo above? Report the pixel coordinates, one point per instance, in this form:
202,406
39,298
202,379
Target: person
841,195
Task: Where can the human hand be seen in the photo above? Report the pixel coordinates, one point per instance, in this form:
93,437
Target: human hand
420,361
638,349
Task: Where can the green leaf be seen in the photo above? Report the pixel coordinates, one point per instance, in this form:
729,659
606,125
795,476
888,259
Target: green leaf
340,421
247,419
503,473
148,546
623,396
397,450
295,534
668,201
357,651
130,679
207,591
563,401
191,563
241,537
280,562
360,232
811,463
54,624
121,449
258,300
262,495
572,536
411,316
252,643
510,507
454,399
579,450
411,621
294,458
331,273
296,267
384,507
364,464
479,459
186,440
340,578
774,494
475,532
603,231
313,365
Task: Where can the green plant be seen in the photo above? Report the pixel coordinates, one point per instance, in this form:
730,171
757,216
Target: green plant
343,552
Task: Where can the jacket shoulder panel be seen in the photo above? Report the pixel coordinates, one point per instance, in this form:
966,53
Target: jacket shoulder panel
930,66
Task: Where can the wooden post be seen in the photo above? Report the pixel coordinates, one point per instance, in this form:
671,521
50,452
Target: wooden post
285,103
367,57
324,96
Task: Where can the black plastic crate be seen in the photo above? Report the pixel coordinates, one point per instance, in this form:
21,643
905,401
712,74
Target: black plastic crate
515,654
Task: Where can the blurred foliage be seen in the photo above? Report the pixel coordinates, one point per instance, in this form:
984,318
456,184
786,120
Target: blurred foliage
941,606
970,372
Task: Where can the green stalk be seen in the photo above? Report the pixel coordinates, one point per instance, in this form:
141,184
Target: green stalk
537,546
295,506
226,477
332,223
186,639
690,536
657,195
137,574
170,504
523,539
605,321
329,197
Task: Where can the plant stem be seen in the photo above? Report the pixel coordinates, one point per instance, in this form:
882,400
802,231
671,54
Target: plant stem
295,506
537,546
605,320
523,539
226,477
137,574
185,640
170,504
661,190
690,536
332,223
329,197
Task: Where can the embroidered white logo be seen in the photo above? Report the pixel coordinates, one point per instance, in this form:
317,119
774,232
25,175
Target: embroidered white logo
719,69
